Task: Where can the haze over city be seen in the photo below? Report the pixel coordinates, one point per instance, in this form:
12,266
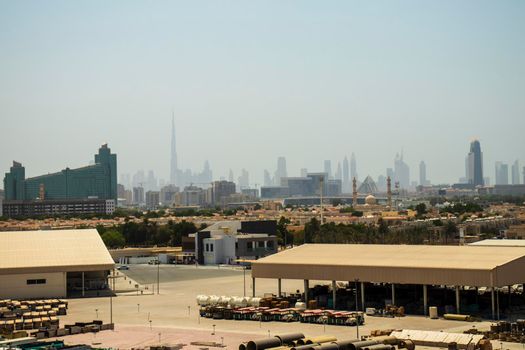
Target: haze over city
249,82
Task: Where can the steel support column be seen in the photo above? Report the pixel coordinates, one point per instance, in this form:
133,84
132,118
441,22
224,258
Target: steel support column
493,303
457,300
253,287
425,300
393,294
279,291
334,292
363,295
306,288
83,285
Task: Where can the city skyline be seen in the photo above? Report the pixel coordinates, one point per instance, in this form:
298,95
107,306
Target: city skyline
323,81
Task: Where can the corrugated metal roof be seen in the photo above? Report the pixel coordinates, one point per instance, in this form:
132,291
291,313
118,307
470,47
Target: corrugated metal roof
57,250
417,264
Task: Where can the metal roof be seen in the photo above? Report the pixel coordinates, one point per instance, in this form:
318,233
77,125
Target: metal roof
500,243
406,264
53,251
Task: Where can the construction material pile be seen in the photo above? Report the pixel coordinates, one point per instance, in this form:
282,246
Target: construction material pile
504,331
269,309
297,341
443,339
16,315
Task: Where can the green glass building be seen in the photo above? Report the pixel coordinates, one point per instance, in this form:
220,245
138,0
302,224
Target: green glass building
93,181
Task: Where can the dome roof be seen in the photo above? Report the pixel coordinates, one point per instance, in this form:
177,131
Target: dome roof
370,200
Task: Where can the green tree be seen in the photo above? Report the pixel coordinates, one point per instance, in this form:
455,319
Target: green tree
421,209
282,231
113,239
311,230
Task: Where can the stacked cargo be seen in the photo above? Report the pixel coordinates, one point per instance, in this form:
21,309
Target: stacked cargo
504,331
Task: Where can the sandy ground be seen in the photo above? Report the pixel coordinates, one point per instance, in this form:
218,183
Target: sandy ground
174,313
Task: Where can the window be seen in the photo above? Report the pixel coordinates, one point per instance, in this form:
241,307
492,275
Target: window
211,247
207,247
237,245
37,281
270,244
260,244
249,245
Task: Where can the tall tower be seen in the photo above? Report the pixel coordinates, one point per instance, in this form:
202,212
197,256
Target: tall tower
328,168
281,171
346,176
173,161
475,164
354,192
422,173
389,191
353,167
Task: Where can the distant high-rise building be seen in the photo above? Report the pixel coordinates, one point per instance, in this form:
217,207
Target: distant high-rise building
353,167
328,168
502,173
474,164
281,171
222,190
401,172
138,195
422,174
167,194
304,171
523,172
267,178
515,173
390,173
244,180
338,173
230,176
346,176
152,199
174,170
151,181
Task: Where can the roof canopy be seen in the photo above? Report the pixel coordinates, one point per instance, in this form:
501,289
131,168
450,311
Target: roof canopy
406,264
53,251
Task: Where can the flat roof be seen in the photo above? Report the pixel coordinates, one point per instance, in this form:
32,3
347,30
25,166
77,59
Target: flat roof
53,251
405,264
500,243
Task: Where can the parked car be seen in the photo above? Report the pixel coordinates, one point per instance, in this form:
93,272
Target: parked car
123,267
154,262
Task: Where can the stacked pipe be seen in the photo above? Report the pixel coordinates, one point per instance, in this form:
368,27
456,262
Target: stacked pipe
297,341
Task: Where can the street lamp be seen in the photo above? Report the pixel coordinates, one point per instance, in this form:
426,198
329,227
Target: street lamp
138,307
158,276
96,311
244,276
356,309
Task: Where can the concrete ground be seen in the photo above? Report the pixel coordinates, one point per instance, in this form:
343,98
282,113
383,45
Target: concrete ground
174,313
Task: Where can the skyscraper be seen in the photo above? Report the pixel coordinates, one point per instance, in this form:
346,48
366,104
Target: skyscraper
401,172
346,176
515,173
502,173
422,173
353,167
338,173
267,178
474,164
281,171
328,168
173,161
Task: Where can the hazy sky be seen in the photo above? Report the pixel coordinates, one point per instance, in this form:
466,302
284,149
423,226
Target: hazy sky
249,81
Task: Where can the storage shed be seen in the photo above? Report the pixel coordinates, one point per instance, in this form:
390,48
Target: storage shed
53,264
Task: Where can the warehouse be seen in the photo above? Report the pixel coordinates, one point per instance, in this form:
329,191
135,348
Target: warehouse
53,264
464,271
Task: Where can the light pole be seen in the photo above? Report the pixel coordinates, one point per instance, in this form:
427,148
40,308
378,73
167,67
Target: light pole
356,310
158,276
244,276
138,307
96,311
